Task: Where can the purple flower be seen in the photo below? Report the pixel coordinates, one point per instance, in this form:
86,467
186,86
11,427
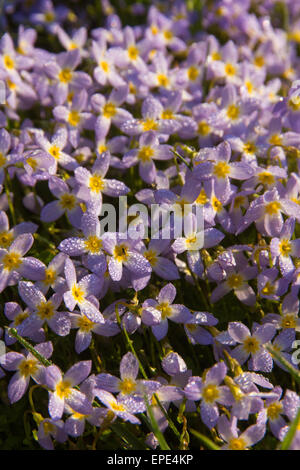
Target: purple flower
82,293
42,311
26,367
273,413
156,313
63,392
13,264
283,248
51,428
195,332
220,169
237,275
229,432
55,149
123,253
67,203
62,71
210,392
149,149
130,389
252,345
90,245
93,184
151,120
117,407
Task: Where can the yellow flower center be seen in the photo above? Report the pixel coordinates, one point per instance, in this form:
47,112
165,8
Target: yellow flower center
285,247
233,111
2,159
249,147
117,406
167,114
65,75
288,321
102,148
259,61
5,239
149,125
191,242
272,208
72,46
203,128
93,244
210,393
84,324
192,73
249,86
235,281
192,327
216,56
251,345
230,70
265,177
50,276
105,66
20,318
165,309
12,261
8,62
121,252
274,410
168,35
237,443
63,389
145,154
67,201
49,16
11,85
294,103
70,96
48,428
109,110
163,80
154,29
202,198
288,73
96,183
133,52
45,310
54,151
275,139
239,201
268,289
32,163
221,169
217,205
132,88
151,256
28,367
78,293
74,118
127,386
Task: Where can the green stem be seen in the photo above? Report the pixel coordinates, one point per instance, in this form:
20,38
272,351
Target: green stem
157,432
287,441
13,332
143,372
205,440
189,165
9,201
294,372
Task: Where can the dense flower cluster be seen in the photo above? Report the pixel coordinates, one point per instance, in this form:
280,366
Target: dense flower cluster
162,114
